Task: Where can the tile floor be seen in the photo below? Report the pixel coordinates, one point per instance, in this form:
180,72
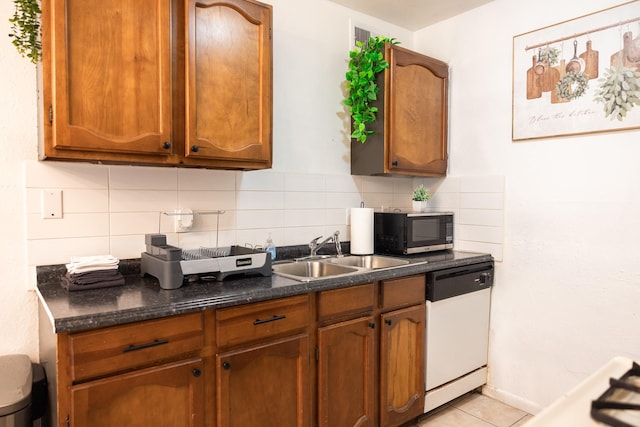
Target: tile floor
473,410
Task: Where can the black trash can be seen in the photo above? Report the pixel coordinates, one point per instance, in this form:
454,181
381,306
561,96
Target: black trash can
15,391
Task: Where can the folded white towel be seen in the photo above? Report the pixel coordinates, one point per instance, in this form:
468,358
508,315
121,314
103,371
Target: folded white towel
92,263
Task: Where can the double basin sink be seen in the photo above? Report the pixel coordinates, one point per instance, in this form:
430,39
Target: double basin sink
315,269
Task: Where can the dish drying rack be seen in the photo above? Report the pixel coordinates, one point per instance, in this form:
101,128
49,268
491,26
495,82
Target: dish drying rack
172,266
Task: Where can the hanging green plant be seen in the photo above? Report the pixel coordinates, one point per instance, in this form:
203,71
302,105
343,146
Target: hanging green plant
365,62
550,55
25,29
619,91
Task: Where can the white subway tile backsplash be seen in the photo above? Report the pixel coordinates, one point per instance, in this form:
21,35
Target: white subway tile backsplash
85,201
304,183
252,219
378,201
404,186
482,200
304,217
71,225
143,201
258,200
482,184
303,200
301,235
207,221
128,223
343,200
127,247
341,184
263,180
134,178
108,209
450,184
375,184
60,251
207,200
336,216
206,180
479,233
445,201
490,217
65,175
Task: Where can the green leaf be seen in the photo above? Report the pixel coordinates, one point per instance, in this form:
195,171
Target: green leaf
366,62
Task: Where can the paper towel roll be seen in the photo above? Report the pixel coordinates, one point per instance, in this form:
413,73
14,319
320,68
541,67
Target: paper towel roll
362,231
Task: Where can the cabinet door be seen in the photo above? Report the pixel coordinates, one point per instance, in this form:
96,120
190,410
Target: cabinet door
346,359
166,396
229,83
265,385
402,365
416,113
107,78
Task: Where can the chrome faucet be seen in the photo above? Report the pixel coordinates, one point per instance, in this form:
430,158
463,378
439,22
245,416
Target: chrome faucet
314,246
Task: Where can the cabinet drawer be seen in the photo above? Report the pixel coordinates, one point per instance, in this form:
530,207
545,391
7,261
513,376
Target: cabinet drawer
252,322
119,348
343,302
403,292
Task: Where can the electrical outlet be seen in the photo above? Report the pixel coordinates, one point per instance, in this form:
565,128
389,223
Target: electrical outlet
51,204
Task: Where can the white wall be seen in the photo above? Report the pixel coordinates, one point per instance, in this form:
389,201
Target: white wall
18,134
567,291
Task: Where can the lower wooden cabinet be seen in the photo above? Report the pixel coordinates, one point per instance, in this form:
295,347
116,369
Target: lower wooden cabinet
170,395
265,385
402,365
252,365
346,373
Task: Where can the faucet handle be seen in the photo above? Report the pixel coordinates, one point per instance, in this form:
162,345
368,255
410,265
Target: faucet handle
336,241
315,241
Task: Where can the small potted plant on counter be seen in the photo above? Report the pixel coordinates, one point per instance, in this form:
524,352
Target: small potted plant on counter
420,197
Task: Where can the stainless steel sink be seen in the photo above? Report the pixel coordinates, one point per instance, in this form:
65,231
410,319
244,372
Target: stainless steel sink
369,262
306,271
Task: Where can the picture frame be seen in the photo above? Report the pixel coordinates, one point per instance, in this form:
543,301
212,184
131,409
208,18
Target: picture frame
564,75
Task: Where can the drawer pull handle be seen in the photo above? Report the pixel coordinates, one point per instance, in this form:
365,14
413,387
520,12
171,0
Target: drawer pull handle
271,319
154,343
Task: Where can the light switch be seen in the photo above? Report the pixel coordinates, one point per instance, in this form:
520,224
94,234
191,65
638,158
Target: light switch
51,204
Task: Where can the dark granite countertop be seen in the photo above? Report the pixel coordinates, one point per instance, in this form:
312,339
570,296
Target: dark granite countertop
141,298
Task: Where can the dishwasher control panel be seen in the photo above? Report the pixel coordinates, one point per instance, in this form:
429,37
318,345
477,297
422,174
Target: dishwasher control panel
451,282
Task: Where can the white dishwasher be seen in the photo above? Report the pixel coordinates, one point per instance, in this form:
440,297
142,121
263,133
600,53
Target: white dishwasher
457,331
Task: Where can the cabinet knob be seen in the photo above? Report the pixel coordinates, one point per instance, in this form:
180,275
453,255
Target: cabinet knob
388,322
372,325
195,148
394,163
196,372
166,145
226,366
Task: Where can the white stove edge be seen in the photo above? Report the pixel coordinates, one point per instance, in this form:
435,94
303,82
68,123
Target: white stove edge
574,407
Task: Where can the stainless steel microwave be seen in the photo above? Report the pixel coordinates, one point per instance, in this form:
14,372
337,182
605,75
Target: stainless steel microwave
412,232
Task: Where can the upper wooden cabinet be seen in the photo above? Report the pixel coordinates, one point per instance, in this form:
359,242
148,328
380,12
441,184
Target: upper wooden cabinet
229,81
161,82
411,128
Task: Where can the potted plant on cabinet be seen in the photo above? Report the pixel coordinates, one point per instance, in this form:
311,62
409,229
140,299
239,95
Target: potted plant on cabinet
420,197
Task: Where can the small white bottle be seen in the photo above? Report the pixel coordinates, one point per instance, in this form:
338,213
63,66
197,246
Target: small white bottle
270,248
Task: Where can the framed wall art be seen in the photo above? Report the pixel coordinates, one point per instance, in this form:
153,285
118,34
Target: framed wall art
579,76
